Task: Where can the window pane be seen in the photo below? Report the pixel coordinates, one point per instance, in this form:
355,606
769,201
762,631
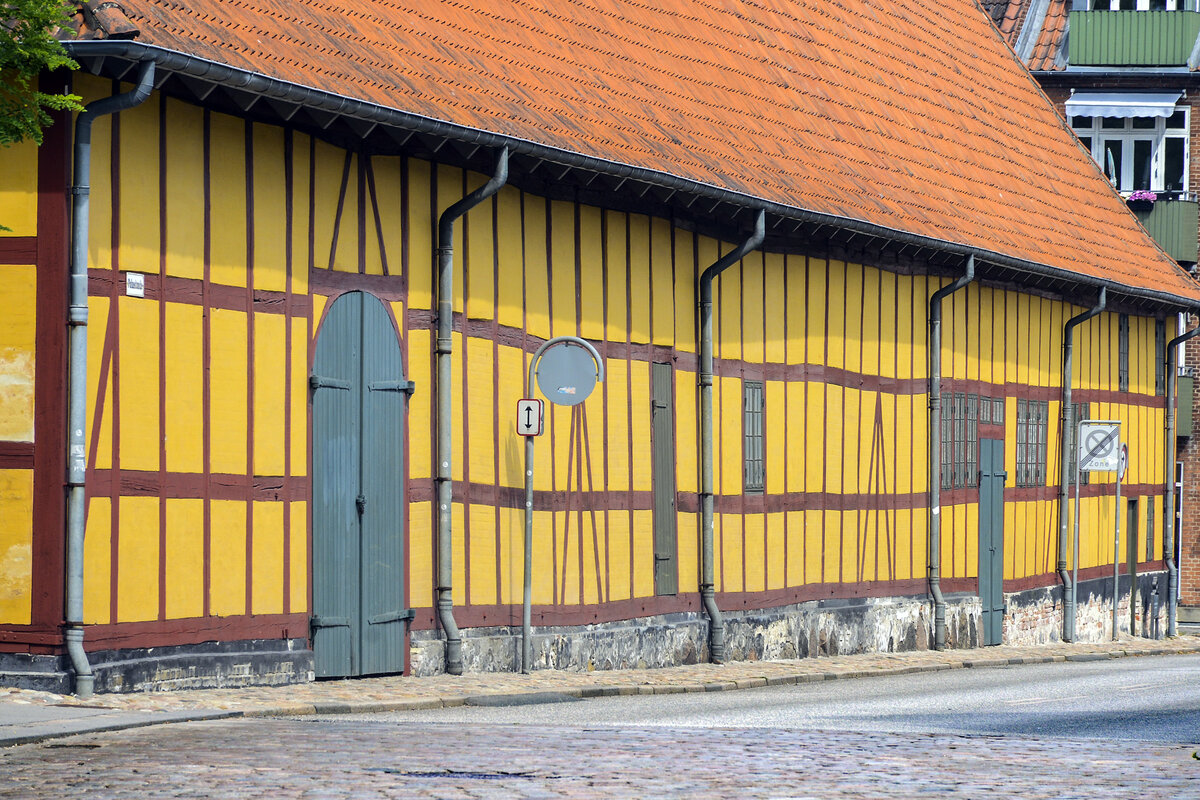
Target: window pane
1112,161
1176,120
1143,123
1143,149
1112,123
1173,164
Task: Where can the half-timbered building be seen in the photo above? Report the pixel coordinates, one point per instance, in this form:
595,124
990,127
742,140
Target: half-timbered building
272,300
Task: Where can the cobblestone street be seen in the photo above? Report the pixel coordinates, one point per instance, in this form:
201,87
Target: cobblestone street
291,758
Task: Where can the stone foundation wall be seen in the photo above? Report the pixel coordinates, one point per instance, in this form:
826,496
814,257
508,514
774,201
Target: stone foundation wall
798,631
827,627
1035,616
213,665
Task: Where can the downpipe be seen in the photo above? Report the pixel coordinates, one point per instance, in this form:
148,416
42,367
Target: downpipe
1067,434
1169,479
935,451
444,347
77,320
716,626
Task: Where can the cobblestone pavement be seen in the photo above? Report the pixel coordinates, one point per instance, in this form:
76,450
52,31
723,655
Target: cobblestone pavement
297,758
398,693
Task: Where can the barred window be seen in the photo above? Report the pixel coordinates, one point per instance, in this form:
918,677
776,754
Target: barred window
960,440
1022,442
1123,353
1079,412
752,435
1032,417
1149,528
947,441
1160,358
973,440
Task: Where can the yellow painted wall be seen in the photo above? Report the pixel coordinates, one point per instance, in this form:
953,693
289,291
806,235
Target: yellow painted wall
18,289
16,545
18,285
841,348
161,369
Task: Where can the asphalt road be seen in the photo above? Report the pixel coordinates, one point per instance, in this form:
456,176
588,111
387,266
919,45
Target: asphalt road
1134,699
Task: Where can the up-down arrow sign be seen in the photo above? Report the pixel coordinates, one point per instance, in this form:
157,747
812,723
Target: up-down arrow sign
529,417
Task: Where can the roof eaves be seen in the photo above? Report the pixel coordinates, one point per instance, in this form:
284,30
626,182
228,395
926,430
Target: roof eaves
279,91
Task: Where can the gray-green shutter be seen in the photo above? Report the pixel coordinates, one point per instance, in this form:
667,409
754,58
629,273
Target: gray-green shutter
666,570
991,538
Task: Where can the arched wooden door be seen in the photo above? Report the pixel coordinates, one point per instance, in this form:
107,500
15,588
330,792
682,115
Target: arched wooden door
359,396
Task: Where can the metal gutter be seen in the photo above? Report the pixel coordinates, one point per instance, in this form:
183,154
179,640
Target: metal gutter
1066,435
77,321
716,627
1109,72
935,451
1169,478
443,347
243,80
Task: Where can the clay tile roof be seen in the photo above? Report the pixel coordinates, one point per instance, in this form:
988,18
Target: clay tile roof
1051,39
1007,16
908,114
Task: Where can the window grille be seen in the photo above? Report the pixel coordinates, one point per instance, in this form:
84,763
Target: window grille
1149,529
1032,426
1022,442
973,440
753,442
1160,358
1123,353
947,454
960,440
960,421
1079,412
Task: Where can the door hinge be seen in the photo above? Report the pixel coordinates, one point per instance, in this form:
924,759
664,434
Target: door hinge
405,615
360,503
321,382
408,387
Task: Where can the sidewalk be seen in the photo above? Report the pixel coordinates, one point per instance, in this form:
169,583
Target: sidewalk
30,716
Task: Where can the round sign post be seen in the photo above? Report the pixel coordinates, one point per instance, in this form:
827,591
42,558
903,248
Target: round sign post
567,369
1122,463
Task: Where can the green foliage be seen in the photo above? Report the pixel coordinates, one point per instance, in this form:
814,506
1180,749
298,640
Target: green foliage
27,47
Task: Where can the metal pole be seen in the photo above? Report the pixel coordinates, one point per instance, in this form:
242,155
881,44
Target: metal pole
527,603
1072,601
1116,552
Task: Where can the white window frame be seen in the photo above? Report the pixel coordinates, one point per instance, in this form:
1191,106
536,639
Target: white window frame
1127,135
1142,5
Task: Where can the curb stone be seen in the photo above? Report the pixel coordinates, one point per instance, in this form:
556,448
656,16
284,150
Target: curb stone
136,718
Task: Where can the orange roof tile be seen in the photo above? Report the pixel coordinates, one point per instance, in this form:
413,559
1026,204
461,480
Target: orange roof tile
907,114
1052,37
